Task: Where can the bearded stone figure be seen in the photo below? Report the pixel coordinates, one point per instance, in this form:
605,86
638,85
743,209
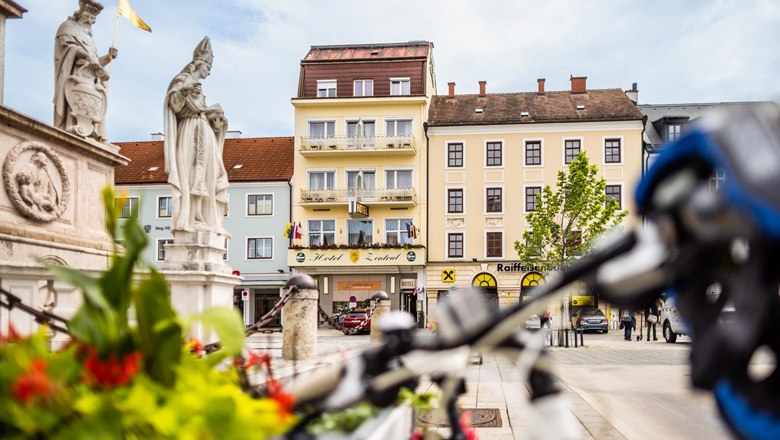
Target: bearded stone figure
80,82
194,139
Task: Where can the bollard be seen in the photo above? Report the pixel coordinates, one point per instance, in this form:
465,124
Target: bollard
299,319
382,307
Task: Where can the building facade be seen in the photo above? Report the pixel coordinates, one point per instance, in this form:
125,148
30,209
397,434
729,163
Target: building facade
361,170
491,154
259,171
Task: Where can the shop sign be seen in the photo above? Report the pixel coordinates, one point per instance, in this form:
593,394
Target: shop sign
448,275
357,209
581,300
411,256
519,266
408,283
366,257
359,285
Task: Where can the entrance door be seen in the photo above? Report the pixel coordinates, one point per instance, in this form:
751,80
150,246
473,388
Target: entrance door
264,302
487,285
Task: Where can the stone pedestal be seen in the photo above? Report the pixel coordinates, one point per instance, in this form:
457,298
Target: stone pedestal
199,251
376,332
299,325
194,291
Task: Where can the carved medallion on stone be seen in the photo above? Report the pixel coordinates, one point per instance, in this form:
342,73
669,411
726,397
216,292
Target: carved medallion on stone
36,181
494,222
455,222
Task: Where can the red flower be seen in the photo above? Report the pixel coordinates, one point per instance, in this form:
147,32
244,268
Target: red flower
111,372
258,360
13,336
284,399
33,383
195,346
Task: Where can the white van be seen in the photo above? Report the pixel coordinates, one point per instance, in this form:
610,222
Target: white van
672,324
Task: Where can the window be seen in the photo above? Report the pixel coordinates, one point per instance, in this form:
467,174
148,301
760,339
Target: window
322,232
260,204
361,129
454,155
717,179
495,244
399,86
326,88
673,132
227,205
395,179
494,200
530,197
322,129
322,179
398,127
533,153
363,179
494,154
397,231
225,254
454,201
614,192
259,248
455,245
612,151
572,148
364,87
164,207
161,243
128,208
359,232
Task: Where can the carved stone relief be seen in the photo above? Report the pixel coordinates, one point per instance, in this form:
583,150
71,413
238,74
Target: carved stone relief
36,181
494,222
455,222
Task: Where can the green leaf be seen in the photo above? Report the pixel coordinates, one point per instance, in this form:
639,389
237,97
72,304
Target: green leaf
227,323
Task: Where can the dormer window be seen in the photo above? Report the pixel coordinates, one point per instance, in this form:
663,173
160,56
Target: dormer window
400,86
326,88
673,132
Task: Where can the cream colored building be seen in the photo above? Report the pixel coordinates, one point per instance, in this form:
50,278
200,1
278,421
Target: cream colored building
491,153
360,171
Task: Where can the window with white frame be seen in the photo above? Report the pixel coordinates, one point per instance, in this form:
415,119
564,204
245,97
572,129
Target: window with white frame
397,231
494,244
494,200
533,153
494,154
322,129
673,132
531,192
128,207
455,201
161,243
455,245
326,88
322,180
395,179
164,207
614,192
717,179
612,151
259,248
455,155
400,86
322,232
572,149
361,128
398,127
359,232
361,180
260,204
364,87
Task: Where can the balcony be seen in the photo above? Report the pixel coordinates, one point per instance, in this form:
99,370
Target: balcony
371,197
350,145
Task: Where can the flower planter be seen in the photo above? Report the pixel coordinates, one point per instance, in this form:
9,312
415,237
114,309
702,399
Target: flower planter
393,423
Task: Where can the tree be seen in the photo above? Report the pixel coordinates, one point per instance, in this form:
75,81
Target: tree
564,223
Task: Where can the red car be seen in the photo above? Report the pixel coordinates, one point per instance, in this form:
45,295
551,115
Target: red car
355,318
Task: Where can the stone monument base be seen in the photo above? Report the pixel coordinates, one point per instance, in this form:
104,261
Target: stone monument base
194,291
198,251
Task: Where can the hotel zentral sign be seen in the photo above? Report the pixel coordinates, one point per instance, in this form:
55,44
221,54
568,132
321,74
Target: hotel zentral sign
356,257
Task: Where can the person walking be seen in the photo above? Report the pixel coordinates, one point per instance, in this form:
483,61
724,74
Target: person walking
652,316
627,323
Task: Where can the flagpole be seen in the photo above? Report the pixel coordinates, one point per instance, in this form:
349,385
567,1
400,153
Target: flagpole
113,42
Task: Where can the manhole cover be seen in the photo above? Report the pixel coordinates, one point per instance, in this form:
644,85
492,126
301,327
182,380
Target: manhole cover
482,417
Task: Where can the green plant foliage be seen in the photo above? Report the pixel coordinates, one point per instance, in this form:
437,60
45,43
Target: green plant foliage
343,421
567,220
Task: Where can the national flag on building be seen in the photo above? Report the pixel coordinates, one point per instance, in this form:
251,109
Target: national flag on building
126,11
297,234
287,229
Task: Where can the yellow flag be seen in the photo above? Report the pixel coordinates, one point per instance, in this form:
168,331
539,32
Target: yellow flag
126,11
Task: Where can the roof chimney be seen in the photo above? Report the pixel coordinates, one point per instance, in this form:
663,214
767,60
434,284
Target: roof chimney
233,134
452,89
158,137
633,94
540,81
578,84
482,85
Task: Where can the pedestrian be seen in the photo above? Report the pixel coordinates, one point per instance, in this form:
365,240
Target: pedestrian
652,316
627,323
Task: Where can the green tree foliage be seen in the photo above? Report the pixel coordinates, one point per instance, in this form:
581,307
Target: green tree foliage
567,220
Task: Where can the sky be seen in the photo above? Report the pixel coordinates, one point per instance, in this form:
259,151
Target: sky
676,51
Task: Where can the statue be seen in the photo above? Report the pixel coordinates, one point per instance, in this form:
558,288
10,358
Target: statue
80,82
194,138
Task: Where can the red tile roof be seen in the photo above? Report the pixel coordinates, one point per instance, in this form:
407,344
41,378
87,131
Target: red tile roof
263,160
363,52
506,108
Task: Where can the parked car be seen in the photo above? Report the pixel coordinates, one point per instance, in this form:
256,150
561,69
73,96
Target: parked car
673,325
355,318
590,319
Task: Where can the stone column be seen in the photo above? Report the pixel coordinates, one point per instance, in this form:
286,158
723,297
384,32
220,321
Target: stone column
300,319
382,307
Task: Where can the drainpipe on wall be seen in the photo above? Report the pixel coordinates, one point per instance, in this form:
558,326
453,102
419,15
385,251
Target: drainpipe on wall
289,220
427,215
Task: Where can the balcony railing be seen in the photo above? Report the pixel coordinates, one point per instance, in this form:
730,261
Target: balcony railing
402,143
406,196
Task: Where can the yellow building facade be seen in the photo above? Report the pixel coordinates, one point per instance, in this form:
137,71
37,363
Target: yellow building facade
360,172
490,154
